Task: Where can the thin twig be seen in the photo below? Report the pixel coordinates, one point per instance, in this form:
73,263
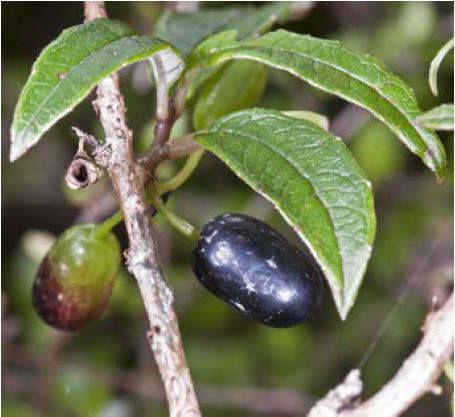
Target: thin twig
416,377
142,259
168,110
165,109
172,150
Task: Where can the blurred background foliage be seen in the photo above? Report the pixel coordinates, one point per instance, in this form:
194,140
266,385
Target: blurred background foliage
241,368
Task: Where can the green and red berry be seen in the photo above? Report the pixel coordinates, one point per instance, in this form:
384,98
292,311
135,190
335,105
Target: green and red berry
74,281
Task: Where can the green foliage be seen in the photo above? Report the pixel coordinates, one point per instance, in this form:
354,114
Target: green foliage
439,118
313,181
332,68
186,30
316,118
324,64
221,347
68,69
435,64
238,85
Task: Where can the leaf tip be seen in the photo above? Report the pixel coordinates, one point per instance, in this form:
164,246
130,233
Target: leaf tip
14,153
440,176
433,82
435,159
343,315
342,308
339,300
17,148
439,168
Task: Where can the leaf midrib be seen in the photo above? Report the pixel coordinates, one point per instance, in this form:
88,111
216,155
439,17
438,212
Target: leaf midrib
435,116
62,82
328,64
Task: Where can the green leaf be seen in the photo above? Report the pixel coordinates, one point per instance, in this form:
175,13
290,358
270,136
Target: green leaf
238,85
186,30
327,65
434,66
439,118
312,179
167,66
67,70
316,118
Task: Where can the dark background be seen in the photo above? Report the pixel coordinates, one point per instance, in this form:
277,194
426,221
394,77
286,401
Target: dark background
238,365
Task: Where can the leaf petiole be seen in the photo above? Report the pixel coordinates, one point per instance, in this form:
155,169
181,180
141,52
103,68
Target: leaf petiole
182,176
162,188
108,224
435,63
180,224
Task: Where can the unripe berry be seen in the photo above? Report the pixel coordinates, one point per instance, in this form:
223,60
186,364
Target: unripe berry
254,269
74,281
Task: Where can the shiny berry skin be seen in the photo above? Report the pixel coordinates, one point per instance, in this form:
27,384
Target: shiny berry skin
253,268
75,279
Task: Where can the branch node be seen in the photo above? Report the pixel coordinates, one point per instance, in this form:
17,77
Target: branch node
102,154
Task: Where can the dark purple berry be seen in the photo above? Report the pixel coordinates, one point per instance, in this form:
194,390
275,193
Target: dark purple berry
74,281
254,269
